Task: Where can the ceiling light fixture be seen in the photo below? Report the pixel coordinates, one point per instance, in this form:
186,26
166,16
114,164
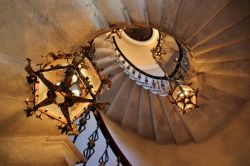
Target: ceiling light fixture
158,52
185,97
64,86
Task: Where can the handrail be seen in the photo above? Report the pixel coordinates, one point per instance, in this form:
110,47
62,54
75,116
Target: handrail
101,125
111,141
131,64
165,77
178,62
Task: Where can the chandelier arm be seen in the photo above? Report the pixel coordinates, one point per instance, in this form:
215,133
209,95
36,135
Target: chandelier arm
68,79
52,68
77,60
47,83
85,83
65,110
47,101
76,99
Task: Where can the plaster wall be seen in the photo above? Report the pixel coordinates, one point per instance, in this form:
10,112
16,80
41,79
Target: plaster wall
230,147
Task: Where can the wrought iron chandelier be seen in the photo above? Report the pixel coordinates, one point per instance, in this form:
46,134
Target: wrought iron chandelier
64,86
184,96
158,52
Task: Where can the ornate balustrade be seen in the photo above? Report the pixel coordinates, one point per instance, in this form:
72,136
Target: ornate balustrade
156,84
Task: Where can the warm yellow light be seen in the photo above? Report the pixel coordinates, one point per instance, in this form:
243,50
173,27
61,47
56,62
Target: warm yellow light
74,79
185,97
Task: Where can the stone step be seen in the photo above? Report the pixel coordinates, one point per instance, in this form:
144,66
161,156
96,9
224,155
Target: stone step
235,86
197,10
204,17
169,14
117,108
135,10
145,123
237,69
226,54
105,62
154,11
179,130
113,15
130,117
212,116
163,133
236,11
102,42
103,52
108,95
111,70
237,33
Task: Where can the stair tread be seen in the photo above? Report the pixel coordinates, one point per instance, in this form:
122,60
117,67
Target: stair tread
178,128
145,124
210,118
238,69
154,9
101,42
200,18
162,131
113,15
105,62
130,117
234,10
103,52
111,70
226,54
227,84
135,10
118,105
169,14
108,95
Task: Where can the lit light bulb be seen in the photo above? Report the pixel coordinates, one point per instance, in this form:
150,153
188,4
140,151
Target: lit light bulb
74,79
76,92
185,97
75,89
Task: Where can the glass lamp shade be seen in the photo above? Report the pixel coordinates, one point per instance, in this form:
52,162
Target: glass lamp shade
77,87
185,98
157,52
77,91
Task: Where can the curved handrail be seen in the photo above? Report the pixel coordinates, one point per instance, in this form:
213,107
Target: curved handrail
165,77
131,64
181,52
111,141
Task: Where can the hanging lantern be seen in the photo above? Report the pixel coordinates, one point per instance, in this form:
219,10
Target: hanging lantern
158,52
185,97
63,88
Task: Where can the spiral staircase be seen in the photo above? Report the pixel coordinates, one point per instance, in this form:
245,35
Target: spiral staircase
154,117
135,106
217,41
135,96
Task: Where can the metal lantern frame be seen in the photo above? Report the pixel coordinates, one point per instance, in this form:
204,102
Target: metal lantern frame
76,62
